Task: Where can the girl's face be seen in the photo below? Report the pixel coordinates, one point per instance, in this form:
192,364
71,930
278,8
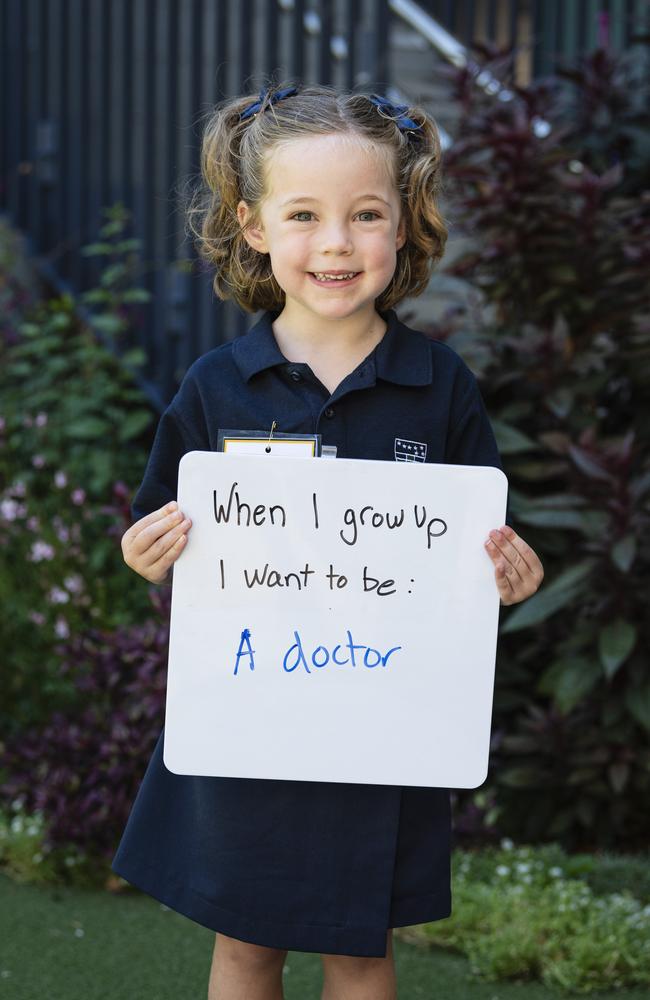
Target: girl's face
330,208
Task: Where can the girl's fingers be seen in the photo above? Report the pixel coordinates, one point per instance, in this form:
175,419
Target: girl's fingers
518,552
518,570
153,543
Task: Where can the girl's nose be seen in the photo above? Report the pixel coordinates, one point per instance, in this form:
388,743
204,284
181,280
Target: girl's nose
336,239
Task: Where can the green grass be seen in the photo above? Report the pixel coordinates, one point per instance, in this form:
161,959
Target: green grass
132,949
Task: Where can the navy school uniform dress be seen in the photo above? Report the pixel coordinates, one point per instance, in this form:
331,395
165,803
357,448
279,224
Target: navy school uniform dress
326,867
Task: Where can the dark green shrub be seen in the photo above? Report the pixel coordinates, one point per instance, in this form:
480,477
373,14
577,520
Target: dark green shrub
560,217
73,434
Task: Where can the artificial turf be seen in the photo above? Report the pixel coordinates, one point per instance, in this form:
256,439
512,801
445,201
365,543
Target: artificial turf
75,944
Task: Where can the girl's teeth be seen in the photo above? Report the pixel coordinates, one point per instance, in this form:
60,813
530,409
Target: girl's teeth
321,276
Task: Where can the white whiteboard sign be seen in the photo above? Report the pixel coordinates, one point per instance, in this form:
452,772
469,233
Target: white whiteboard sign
333,621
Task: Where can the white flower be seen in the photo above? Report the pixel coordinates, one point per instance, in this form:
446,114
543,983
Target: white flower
555,872
41,419
60,479
37,858
522,868
17,824
9,509
79,932
41,550
502,870
74,583
507,844
61,628
57,595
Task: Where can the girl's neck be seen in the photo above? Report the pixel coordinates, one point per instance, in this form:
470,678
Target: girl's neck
302,339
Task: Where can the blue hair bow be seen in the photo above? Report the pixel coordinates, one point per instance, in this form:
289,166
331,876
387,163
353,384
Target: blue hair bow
396,112
279,95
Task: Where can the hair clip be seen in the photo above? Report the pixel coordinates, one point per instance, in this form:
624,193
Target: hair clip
395,113
259,105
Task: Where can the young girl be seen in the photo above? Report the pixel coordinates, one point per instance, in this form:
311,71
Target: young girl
321,210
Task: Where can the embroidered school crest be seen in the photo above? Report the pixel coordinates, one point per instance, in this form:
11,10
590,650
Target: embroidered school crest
410,451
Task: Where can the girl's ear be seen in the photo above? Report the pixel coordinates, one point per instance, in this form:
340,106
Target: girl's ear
254,235
400,238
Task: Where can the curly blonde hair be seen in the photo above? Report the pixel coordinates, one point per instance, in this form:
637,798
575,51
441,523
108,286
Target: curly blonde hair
233,160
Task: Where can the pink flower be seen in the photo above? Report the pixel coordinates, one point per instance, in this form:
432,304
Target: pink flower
37,617
27,421
2,423
41,419
17,489
63,534
38,461
74,583
60,479
78,496
33,523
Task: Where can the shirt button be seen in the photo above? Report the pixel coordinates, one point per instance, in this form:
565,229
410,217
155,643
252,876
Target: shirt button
296,376
329,412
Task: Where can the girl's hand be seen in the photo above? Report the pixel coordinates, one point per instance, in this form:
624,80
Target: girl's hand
153,544
518,571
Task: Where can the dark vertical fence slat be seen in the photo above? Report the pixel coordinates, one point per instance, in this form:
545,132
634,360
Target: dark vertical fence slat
16,177
77,135
51,162
143,21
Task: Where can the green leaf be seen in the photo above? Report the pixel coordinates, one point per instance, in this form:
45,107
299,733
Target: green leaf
135,295
552,518
568,680
136,356
87,428
536,471
128,245
623,553
134,424
560,402
510,440
553,596
637,702
109,323
520,777
618,776
615,643
588,465
112,274
94,249
95,296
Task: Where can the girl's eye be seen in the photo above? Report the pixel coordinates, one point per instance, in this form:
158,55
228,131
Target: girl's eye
296,214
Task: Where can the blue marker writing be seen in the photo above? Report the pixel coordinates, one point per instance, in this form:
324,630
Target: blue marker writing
245,649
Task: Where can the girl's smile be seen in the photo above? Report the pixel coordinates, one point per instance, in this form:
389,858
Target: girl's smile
326,279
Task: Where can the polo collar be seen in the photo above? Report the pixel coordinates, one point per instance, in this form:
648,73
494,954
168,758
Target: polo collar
403,355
